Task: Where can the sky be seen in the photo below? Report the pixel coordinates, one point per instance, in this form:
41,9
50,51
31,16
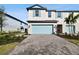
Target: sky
19,10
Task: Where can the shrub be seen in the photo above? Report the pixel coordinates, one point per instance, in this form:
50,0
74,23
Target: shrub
1,33
69,36
9,38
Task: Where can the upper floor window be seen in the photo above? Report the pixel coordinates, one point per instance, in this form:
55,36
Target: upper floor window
36,14
59,14
49,13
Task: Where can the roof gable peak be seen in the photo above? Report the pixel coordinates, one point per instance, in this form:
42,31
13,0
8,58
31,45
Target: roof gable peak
36,6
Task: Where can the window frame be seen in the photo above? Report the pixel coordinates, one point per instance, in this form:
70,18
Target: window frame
49,13
59,14
36,13
69,27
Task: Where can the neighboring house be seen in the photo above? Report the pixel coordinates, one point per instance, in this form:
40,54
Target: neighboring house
43,21
12,24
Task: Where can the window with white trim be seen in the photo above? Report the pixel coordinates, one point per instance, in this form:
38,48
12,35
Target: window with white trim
49,13
70,28
59,15
36,13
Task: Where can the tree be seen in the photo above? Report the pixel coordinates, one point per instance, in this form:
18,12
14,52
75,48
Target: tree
1,18
67,20
71,19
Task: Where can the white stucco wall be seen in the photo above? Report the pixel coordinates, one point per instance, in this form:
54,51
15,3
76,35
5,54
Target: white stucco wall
12,25
44,16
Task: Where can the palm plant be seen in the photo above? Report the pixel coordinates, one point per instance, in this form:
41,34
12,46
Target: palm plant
67,20
71,19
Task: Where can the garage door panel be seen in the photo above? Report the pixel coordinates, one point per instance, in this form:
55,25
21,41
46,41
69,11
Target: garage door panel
41,29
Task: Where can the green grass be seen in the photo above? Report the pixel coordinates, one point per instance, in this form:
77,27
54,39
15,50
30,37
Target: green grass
7,41
72,39
5,49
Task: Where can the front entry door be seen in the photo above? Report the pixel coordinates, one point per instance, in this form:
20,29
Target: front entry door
59,28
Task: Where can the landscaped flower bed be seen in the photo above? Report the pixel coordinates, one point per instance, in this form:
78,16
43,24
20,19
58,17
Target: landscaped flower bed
11,37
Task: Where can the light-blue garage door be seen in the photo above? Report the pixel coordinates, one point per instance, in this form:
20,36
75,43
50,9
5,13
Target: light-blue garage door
41,29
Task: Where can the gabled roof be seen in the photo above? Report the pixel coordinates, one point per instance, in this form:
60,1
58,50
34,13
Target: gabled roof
68,11
15,18
63,11
41,7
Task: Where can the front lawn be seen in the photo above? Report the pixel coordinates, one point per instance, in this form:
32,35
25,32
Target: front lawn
72,39
9,40
7,48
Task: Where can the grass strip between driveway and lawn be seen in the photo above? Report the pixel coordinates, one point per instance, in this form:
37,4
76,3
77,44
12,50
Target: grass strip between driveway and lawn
8,41
71,39
5,49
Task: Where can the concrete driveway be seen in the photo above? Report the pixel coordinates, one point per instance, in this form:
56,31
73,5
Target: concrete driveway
45,45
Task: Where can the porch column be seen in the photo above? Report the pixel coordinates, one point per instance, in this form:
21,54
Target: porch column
29,29
54,29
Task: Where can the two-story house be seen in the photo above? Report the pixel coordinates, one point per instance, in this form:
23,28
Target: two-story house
44,21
